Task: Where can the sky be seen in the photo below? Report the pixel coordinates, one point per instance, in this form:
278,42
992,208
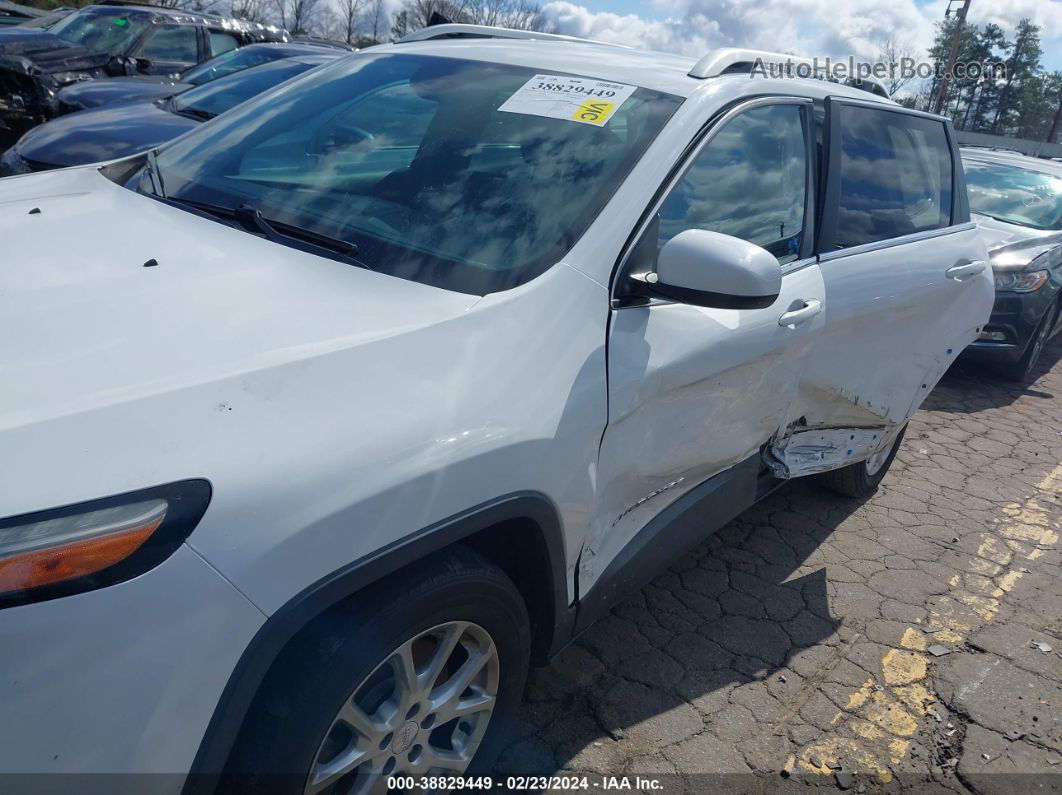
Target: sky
812,27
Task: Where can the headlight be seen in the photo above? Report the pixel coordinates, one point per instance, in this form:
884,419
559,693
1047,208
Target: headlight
85,546
1021,282
62,78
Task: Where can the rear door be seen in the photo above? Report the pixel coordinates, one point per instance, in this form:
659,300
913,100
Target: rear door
695,391
907,285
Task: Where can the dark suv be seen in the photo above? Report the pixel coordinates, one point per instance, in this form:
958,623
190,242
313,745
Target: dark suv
108,40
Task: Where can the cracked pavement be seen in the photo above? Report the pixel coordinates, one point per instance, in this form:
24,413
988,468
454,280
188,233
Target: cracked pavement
894,638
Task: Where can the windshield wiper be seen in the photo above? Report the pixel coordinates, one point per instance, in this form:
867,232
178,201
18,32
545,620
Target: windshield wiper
194,113
251,219
154,174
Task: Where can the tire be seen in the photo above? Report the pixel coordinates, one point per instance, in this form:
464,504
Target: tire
862,479
456,600
1022,370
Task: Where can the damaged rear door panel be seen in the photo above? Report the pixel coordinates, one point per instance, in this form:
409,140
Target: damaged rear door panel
905,281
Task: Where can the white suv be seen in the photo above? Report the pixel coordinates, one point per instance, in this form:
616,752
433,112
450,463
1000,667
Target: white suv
323,422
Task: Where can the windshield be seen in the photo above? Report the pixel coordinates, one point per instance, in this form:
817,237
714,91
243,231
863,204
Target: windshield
412,159
231,62
1009,193
215,98
109,30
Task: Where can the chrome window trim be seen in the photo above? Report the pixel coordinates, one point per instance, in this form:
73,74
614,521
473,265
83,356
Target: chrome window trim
892,106
679,171
877,245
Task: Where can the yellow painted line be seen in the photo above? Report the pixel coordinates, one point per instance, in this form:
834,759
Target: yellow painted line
901,667
881,717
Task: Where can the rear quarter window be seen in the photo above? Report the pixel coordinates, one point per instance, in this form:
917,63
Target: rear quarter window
894,177
222,42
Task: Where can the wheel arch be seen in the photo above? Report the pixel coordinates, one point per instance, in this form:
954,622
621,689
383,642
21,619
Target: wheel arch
521,533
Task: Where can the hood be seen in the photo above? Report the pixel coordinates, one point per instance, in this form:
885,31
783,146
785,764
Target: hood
106,133
1013,246
36,52
105,91
84,324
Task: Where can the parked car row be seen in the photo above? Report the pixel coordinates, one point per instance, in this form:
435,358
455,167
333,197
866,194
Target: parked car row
338,410
126,128
16,14
108,39
93,93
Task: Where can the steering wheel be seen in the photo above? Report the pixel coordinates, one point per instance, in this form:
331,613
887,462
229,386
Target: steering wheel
343,137
326,140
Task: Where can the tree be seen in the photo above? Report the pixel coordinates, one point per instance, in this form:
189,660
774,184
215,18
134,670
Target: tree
1021,67
375,20
1056,121
349,17
895,54
993,47
938,54
1034,107
251,10
299,16
415,14
519,14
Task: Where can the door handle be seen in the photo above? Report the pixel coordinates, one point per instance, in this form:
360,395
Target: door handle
961,272
811,308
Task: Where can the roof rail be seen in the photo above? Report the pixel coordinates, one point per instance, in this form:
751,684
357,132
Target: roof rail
453,30
732,60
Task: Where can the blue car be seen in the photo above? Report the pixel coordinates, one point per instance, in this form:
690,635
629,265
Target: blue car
126,128
94,93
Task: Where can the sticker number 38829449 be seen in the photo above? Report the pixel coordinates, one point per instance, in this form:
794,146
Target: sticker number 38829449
576,99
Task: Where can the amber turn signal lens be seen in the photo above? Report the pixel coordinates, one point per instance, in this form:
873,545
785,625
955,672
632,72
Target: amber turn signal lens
50,552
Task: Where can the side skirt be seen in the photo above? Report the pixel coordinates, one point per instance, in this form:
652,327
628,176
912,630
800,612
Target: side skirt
675,531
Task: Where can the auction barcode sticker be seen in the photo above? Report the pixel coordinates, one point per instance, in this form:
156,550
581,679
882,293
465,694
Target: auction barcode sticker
573,98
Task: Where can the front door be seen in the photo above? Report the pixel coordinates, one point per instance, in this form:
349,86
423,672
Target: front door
906,284
694,391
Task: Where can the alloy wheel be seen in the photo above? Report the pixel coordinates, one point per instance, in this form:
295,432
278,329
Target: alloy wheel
422,711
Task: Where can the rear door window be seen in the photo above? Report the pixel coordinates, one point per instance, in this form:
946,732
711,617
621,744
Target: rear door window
890,175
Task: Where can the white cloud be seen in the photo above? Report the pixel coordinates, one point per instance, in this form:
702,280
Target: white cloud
812,27
670,36
1006,13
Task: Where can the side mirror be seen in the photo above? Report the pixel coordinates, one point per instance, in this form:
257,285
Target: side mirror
116,66
711,269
